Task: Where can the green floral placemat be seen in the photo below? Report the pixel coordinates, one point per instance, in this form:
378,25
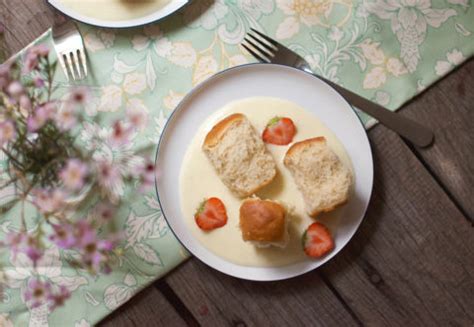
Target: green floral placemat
387,51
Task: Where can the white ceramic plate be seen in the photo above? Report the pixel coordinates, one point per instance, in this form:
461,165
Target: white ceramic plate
166,10
272,81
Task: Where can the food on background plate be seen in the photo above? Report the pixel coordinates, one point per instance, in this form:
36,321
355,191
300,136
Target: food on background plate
317,240
264,223
239,155
211,214
319,174
279,131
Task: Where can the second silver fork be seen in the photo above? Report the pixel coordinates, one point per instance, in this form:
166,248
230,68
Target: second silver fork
69,48
267,50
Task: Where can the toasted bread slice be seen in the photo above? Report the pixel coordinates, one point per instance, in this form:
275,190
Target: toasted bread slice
320,175
239,155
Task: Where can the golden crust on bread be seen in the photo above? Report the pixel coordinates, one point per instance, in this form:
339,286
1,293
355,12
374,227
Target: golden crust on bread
319,174
296,146
215,134
262,221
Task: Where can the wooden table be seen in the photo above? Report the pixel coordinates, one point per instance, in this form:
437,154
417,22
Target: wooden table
411,262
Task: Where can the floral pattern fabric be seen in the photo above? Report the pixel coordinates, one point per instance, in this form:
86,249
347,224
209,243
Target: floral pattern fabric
385,50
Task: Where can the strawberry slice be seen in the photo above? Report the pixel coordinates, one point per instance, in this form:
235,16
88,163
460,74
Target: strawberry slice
279,131
317,240
211,214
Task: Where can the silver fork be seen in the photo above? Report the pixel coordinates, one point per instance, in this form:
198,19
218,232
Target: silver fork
267,50
69,47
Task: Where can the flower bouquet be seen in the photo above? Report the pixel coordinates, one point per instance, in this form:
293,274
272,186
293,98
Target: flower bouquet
52,170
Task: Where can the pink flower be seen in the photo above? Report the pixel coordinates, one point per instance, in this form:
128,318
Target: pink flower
57,299
38,81
73,174
15,89
40,116
7,132
108,176
21,242
25,102
41,50
15,241
79,96
104,211
49,201
66,117
37,292
136,114
33,56
147,175
120,134
64,236
33,249
94,251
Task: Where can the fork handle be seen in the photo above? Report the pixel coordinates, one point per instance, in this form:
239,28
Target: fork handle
409,129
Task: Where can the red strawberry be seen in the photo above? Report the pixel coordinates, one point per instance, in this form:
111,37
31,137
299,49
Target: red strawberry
211,214
279,131
317,240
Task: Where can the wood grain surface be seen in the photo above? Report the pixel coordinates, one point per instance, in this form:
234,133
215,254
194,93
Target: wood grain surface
411,262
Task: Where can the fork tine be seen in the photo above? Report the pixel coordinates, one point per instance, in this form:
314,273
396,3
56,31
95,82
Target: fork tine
255,54
63,66
266,38
75,58
262,43
70,66
82,55
264,52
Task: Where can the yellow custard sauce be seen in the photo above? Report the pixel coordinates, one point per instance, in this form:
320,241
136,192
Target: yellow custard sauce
198,181
115,10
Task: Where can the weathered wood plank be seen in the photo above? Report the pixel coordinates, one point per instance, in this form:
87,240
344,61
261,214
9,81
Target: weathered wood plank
148,308
448,108
219,300
412,261
24,21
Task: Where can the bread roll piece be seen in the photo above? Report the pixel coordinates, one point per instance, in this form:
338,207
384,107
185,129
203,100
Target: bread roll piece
264,223
320,175
239,155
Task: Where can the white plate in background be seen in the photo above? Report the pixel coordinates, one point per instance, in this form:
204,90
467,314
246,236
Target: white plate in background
148,17
265,80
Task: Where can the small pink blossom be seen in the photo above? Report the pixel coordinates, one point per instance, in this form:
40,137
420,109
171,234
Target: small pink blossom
104,211
66,117
37,292
7,132
40,116
94,251
41,50
57,299
15,89
79,96
25,102
21,242
108,176
136,114
49,201
120,134
15,242
39,82
64,236
147,175
74,174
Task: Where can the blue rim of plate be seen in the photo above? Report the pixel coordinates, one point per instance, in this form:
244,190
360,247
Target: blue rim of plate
136,22
198,88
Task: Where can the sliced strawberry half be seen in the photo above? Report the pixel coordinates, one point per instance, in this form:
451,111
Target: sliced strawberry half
211,214
317,240
279,131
